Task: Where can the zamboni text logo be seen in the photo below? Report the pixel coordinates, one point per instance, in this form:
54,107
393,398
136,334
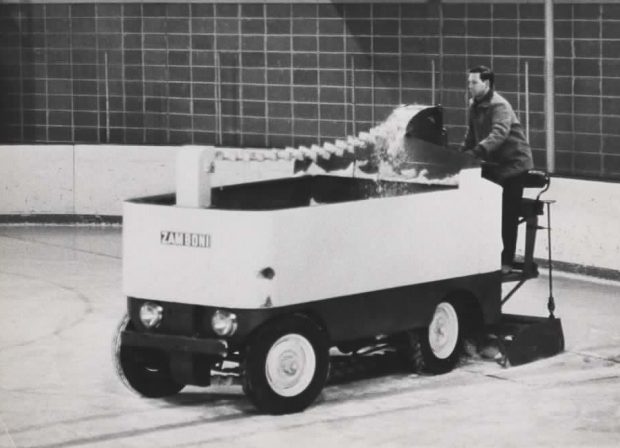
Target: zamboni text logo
169,238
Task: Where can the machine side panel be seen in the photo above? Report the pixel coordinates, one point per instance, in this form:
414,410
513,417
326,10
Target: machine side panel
191,255
354,247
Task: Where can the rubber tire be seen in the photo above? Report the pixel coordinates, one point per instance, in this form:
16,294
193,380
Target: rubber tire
418,354
254,378
150,379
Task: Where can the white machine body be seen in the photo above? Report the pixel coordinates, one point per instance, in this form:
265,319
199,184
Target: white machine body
189,253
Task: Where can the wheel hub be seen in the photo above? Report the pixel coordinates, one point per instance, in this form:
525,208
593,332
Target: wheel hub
290,365
443,331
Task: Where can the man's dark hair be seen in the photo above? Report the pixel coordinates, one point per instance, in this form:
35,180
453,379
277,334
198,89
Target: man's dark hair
485,74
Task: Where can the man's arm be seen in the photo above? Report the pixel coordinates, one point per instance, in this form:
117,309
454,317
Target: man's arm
469,145
500,128
469,141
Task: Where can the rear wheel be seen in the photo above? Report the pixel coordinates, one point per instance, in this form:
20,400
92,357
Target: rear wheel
145,371
286,365
437,348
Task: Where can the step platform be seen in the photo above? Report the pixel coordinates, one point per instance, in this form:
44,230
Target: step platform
521,272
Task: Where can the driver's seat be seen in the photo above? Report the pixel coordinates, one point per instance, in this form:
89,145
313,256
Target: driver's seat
530,210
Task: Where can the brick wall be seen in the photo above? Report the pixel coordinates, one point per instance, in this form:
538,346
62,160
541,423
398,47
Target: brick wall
147,73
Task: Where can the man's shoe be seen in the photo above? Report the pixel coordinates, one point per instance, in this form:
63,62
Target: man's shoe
506,269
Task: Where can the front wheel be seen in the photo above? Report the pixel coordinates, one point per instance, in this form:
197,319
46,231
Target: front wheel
285,365
143,370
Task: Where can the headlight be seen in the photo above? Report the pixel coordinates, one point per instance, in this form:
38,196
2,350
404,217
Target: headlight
151,314
224,323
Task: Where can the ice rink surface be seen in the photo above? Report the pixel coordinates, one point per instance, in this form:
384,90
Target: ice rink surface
61,299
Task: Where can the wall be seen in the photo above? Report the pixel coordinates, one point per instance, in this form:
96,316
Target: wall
584,223
147,73
94,180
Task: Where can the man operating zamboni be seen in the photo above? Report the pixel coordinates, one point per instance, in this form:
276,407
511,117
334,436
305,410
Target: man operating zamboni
495,136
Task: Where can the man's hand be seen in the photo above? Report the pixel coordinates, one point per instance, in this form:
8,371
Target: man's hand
477,151
470,152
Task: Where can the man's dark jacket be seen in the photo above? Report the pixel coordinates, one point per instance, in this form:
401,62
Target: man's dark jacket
495,135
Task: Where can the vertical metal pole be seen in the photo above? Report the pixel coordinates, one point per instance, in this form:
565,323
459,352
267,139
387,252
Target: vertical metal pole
265,85
346,95
266,109
549,86
105,64
318,83
107,99
433,82
518,59
143,72
291,78
191,79
551,301
20,67
240,97
466,104
372,65
353,113
218,98
527,100
400,53
73,99
167,88
346,76
353,99
46,74
372,91
240,78
441,50
123,136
